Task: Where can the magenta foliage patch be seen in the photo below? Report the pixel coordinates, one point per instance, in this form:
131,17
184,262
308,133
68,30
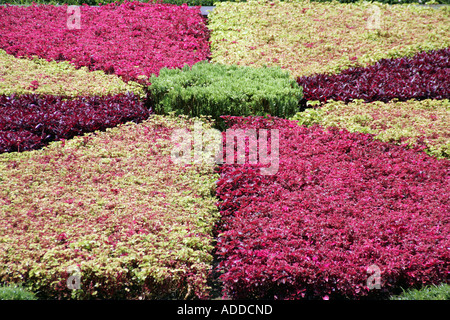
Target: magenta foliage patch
29,122
424,76
341,207
129,39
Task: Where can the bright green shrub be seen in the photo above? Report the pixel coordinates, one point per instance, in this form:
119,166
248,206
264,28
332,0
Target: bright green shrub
216,89
412,122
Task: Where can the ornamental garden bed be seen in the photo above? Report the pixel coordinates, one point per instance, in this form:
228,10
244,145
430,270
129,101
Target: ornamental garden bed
311,37
93,205
113,206
339,203
133,40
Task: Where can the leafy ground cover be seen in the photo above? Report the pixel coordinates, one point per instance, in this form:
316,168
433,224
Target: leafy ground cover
38,76
340,203
99,2
29,122
113,205
216,89
194,2
133,40
308,38
411,123
423,76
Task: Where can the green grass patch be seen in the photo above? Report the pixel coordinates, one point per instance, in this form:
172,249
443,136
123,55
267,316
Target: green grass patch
434,292
15,292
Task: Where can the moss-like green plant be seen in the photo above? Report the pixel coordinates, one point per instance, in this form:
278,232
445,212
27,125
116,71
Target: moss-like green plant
412,122
217,89
24,76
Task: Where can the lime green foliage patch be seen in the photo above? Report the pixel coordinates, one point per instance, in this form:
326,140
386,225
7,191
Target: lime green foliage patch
411,122
309,37
112,209
216,89
435,292
23,76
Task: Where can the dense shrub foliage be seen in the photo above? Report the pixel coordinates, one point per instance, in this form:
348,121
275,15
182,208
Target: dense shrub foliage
113,205
215,90
310,37
100,2
340,203
413,123
38,76
353,192
29,122
133,40
424,76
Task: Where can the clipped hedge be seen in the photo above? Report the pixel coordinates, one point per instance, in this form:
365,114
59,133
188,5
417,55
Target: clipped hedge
412,123
215,89
113,205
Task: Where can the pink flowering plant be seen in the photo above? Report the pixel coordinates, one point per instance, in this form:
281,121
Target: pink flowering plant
340,203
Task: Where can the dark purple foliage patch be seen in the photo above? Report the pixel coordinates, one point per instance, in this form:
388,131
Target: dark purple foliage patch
340,203
29,122
424,76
